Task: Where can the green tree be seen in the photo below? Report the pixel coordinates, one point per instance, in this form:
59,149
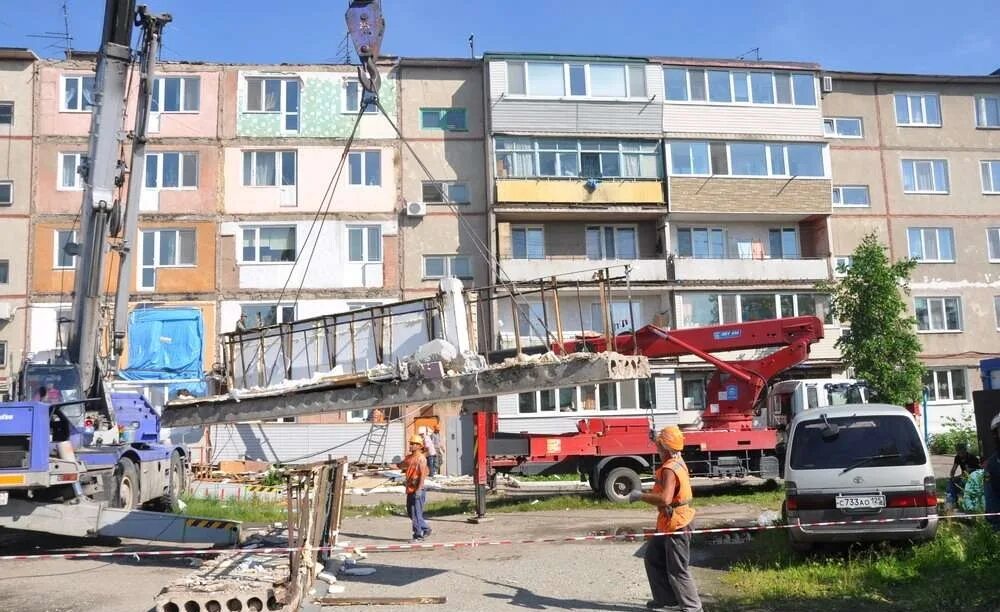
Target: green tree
882,344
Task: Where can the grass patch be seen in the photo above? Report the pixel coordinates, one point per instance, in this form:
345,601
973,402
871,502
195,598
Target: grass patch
548,477
957,570
252,510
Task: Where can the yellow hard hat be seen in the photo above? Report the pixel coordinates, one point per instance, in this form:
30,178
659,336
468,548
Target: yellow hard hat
416,439
671,437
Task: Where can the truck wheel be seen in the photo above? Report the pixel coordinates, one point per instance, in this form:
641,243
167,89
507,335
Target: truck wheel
176,485
619,482
126,494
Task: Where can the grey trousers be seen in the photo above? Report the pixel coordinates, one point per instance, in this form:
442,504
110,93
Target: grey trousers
670,579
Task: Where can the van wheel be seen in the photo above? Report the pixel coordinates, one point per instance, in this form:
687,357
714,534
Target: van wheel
619,482
126,493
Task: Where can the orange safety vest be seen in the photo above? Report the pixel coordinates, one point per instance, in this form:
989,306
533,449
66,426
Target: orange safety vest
681,513
416,469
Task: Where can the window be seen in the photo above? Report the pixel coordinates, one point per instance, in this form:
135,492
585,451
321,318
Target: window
553,157
931,244
6,193
275,96
700,309
441,266
851,195
596,80
269,168
783,243
268,244
611,242
436,192
77,93
925,176
701,242
938,314
3,353
988,111
263,315
693,390
553,400
364,243
527,242
69,165
172,170
996,310
447,119
4,271
365,168
841,264
623,315
6,113
747,159
720,86
61,258
176,95
842,127
993,243
354,95
990,172
946,385
531,318
164,249
918,109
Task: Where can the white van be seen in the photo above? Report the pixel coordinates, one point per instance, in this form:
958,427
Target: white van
858,462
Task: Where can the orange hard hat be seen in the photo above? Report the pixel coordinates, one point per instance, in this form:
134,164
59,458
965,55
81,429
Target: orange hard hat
416,439
671,437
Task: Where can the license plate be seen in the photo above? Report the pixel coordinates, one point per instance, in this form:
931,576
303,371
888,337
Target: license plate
853,502
4,496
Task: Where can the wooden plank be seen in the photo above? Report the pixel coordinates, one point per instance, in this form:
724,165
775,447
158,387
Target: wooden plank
380,601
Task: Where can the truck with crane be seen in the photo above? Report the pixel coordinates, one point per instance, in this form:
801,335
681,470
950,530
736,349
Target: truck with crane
78,457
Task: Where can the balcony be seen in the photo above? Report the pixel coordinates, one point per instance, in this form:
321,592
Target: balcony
582,269
806,269
577,191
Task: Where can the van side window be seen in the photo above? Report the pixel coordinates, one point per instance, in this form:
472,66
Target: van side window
812,396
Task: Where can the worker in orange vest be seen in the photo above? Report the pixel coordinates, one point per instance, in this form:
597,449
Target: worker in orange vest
415,474
667,556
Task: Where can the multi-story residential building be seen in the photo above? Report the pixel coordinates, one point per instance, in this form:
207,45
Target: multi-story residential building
16,117
916,159
175,262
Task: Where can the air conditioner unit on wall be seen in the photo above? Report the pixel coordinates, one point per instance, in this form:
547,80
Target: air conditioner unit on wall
827,84
416,209
6,311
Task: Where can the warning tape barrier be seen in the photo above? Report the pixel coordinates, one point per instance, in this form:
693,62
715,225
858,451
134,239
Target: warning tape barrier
626,537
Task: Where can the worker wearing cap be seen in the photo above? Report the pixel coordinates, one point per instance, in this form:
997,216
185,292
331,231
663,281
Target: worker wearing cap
667,556
415,474
991,486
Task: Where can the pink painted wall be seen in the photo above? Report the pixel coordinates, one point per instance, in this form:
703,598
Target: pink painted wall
54,122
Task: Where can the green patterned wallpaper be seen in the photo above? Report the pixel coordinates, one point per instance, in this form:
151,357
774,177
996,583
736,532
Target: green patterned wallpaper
320,106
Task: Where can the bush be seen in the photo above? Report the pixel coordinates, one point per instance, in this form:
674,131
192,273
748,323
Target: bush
958,430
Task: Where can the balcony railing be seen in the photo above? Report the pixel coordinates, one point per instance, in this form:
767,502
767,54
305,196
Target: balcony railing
740,268
582,269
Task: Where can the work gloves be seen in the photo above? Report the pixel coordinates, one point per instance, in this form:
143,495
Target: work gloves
635,496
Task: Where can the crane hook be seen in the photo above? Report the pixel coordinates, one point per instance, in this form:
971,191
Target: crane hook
365,25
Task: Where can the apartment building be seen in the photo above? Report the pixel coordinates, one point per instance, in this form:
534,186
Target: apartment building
916,159
16,117
175,261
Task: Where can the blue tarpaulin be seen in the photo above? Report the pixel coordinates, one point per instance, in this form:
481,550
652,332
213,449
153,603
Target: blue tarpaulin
166,344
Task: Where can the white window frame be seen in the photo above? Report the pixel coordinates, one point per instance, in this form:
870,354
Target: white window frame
443,110
845,260
77,179
996,310
635,313
930,318
63,79
282,100
157,264
449,267
180,168
923,95
9,201
280,309
991,233
614,227
55,249
443,188
362,157
587,85
5,266
3,353
980,111
768,161
10,114
344,109
783,231
278,167
257,229
709,230
834,124
526,228
935,190
986,174
732,87
161,89
934,372
366,256
924,255
738,305
837,195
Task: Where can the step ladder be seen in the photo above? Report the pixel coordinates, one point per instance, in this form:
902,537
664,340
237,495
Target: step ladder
373,450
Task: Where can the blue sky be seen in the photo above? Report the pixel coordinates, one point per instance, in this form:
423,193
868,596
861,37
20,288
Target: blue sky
920,36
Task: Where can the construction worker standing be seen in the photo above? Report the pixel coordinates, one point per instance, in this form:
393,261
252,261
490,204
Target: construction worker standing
667,556
415,474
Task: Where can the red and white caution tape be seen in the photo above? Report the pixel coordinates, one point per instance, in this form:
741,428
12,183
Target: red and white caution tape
628,537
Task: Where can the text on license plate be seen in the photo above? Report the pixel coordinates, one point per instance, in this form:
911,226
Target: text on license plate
4,495
849,502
